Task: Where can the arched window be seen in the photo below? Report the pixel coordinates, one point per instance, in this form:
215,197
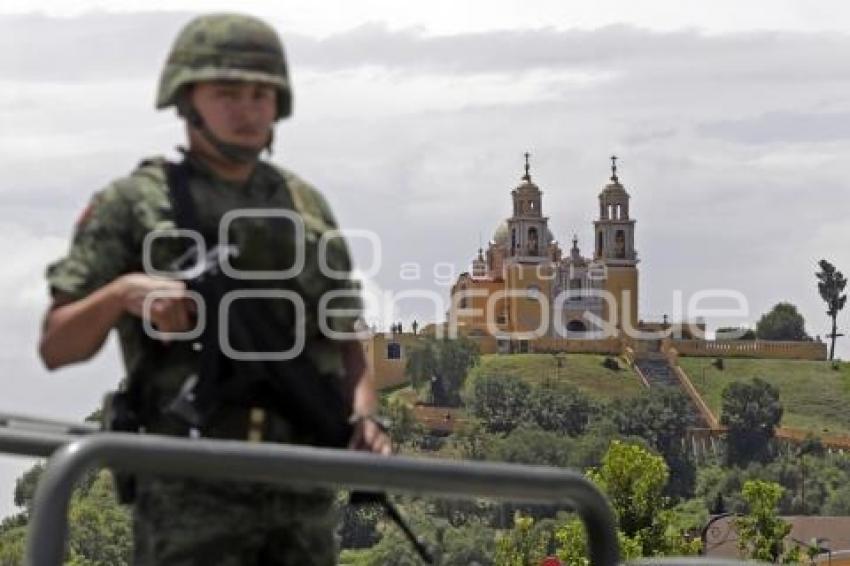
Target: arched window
599,244
533,244
620,244
576,326
393,351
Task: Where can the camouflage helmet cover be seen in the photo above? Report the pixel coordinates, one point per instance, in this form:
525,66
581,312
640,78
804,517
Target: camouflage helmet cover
225,47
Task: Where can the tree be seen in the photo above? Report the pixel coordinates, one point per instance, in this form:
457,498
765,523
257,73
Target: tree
831,284
571,540
662,418
634,479
12,542
443,364
531,445
564,409
504,402
522,546
471,544
470,440
404,428
783,322
751,411
100,532
501,402
761,531
838,502
25,486
100,529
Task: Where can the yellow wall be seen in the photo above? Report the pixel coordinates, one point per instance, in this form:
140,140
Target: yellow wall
384,371
613,346
472,319
618,281
525,312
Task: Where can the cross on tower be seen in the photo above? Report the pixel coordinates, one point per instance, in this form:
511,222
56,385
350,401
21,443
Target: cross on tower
527,175
614,159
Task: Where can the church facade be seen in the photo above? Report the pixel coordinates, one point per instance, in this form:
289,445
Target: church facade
524,287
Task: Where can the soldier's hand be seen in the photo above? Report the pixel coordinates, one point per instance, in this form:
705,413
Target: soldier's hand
370,436
171,313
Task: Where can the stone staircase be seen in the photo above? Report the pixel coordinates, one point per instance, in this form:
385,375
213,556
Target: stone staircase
658,373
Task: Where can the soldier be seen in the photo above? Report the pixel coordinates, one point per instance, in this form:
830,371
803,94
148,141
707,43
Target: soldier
226,75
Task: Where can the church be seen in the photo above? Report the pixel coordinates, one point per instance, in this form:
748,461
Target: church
524,294
524,287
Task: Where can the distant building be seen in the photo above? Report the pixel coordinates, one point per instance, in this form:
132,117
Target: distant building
523,285
828,536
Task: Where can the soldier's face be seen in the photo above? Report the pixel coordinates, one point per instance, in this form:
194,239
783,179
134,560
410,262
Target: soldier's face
237,111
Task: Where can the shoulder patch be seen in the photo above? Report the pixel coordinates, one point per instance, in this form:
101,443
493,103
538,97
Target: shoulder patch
85,215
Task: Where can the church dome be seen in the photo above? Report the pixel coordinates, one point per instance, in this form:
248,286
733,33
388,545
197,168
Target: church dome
614,187
526,186
500,236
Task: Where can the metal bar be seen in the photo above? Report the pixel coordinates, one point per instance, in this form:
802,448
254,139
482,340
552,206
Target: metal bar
12,420
32,443
302,466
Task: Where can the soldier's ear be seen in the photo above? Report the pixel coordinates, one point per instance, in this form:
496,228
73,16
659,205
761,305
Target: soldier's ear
186,109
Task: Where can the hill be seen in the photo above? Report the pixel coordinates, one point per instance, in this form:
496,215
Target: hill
585,371
815,396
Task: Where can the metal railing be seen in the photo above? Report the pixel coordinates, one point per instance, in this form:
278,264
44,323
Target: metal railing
291,465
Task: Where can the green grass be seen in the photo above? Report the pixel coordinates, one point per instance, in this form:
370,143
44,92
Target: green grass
584,371
815,397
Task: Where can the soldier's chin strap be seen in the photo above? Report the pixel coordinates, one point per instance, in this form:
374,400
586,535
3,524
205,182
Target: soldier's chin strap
233,152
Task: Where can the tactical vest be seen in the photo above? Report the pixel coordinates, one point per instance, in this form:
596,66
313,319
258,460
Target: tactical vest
160,370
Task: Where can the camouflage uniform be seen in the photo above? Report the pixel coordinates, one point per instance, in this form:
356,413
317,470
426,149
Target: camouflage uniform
182,522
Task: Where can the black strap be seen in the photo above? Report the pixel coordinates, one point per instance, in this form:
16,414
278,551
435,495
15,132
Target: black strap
185,214
212,362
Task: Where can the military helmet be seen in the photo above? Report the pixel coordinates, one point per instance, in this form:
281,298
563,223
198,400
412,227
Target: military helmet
225,47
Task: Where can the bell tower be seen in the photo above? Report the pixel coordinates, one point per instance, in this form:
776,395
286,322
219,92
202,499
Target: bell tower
529,235
615,230
615,248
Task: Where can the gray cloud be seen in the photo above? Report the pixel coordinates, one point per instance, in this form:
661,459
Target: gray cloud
92,47
782,127
100,45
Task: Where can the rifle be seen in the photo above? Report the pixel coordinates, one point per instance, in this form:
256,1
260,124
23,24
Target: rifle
312,403
55,426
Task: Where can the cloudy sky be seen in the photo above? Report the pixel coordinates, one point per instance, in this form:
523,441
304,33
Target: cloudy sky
732,121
